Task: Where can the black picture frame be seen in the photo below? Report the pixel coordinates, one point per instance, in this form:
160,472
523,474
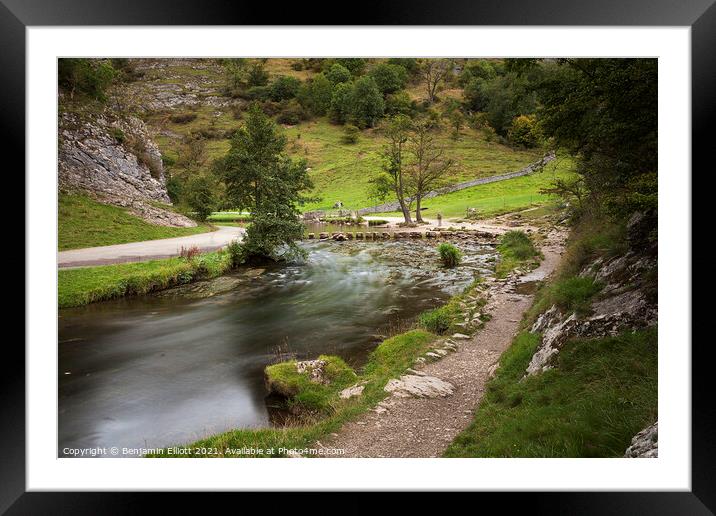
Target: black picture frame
700,15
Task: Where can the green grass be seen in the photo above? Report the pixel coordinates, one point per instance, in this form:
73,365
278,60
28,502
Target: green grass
77,287
443,320
500,197
84,222
308,396
516,250
602,392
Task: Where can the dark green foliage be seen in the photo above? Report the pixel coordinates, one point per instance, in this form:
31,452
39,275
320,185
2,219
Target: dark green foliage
411,65
573,294
440,319
290,112
366,102
198,193
605,111
90,77
257,75
340,109
338,73
284,87
316,94
260,178
389,77
450,255
355,65
400,103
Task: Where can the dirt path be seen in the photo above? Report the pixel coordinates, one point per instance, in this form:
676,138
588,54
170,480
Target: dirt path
148,250
424,427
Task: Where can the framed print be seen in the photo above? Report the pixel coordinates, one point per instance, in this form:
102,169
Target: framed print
430,249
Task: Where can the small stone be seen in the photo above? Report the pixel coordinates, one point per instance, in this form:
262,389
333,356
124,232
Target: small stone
419,387
460,336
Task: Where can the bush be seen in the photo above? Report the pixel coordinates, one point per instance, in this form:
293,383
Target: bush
517,244
389,77
284,87
377,222
524,131
290,113
350,134
449,255
199,195
89,77
366,102
338,74
400,103
183,118
438,320
236,253
118,135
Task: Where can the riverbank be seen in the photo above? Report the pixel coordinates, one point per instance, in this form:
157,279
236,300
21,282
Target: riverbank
82,286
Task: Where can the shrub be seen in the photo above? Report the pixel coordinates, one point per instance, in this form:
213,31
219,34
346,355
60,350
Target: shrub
290,113
118,135
183,118
517,244
389,77
284,87
350,134
198,193
438,320
449,255
524,131
236,253
366,102
338,74
89,77
377,222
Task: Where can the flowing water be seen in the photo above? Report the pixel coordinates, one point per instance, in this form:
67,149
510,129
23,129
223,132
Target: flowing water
174,367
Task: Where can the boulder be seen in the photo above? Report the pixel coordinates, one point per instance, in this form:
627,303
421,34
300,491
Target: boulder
645,444
415,386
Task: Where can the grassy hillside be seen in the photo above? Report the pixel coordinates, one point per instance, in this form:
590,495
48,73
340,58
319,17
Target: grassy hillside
340,171
499,197
84,222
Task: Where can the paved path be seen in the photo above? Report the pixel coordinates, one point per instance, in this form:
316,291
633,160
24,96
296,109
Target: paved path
149,249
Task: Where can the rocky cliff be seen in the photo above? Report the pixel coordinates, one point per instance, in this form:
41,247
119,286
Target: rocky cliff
113,159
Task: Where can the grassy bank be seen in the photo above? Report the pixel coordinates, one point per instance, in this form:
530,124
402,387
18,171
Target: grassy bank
516,251
84,222
601,393
323,410
77,287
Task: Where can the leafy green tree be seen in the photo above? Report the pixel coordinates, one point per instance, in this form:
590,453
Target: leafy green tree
475,94
256,74
524,131
340,110
400,103
338,74
284,87
316,94
389,77
198,193
604,111
356,65
89,77
411,64
258,176
365,102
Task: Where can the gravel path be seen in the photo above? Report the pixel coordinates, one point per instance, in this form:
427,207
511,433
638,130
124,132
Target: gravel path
149,249
424,427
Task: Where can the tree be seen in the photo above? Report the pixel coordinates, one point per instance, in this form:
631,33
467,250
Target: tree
434,72
316,94
338,73
428,166
259,177
389,77
604,112
284,87
365,102
89,77
392,179
341,102
257,74
199,195
524,131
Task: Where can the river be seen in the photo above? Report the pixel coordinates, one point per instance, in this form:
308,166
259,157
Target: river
177,366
